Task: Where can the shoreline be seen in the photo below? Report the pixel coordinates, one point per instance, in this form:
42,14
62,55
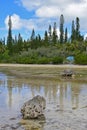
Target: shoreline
47,71
44,65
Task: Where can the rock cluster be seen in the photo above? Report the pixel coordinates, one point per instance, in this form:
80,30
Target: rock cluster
33,108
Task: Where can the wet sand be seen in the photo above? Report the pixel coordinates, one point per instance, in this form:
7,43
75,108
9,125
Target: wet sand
45,71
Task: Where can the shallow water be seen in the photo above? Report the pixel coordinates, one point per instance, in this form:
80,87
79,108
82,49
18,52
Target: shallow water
66,102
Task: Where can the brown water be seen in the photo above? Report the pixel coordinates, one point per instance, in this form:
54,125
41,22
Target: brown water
66,102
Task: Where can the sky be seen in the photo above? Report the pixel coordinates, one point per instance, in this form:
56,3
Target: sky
39,14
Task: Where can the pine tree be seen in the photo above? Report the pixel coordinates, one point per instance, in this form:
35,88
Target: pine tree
9,38
15,40
55,37
61,28
50,34
66,37
77,28
39,38
33,40
73,33
20,43
79,37
45,38
32,35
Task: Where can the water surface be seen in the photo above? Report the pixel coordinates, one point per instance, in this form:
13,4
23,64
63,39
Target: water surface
66,101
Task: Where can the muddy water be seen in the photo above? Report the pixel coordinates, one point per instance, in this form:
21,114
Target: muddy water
66,103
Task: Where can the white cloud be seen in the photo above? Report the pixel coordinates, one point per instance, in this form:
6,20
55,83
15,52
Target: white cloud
18,23
31,4
54,8
49,11
75,10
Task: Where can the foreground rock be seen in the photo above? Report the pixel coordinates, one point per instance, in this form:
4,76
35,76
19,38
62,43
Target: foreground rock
33,108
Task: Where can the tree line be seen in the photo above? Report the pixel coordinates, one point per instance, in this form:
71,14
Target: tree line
19,50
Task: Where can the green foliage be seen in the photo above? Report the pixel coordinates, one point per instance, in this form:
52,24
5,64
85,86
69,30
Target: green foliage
81,59
5,58
41,55
25,60
57,60
39,60
46,55
43,60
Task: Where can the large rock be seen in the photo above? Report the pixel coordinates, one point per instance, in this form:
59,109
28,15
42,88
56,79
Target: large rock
33,108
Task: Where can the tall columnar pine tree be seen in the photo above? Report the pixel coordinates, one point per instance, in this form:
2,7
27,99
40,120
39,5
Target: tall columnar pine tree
77,28
54,37
37,41
66,36
50,33
79,37
32,39
46,37
39,38
61,28
9,38
15,40
73,32
76,36
20,43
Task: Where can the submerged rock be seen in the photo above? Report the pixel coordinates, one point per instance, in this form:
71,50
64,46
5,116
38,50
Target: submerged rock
33,108
30,125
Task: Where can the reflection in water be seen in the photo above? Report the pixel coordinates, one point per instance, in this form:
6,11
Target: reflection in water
60,96
75,96
14,92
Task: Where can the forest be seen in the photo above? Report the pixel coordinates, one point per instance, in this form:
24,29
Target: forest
51,49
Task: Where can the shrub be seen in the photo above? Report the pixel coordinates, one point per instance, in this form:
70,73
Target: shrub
43,60
81,59
25,60
57,60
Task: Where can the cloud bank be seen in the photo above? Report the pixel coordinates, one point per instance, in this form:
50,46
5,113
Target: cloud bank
54,8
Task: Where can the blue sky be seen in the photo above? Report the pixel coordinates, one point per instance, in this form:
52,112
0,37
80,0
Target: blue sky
38,14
